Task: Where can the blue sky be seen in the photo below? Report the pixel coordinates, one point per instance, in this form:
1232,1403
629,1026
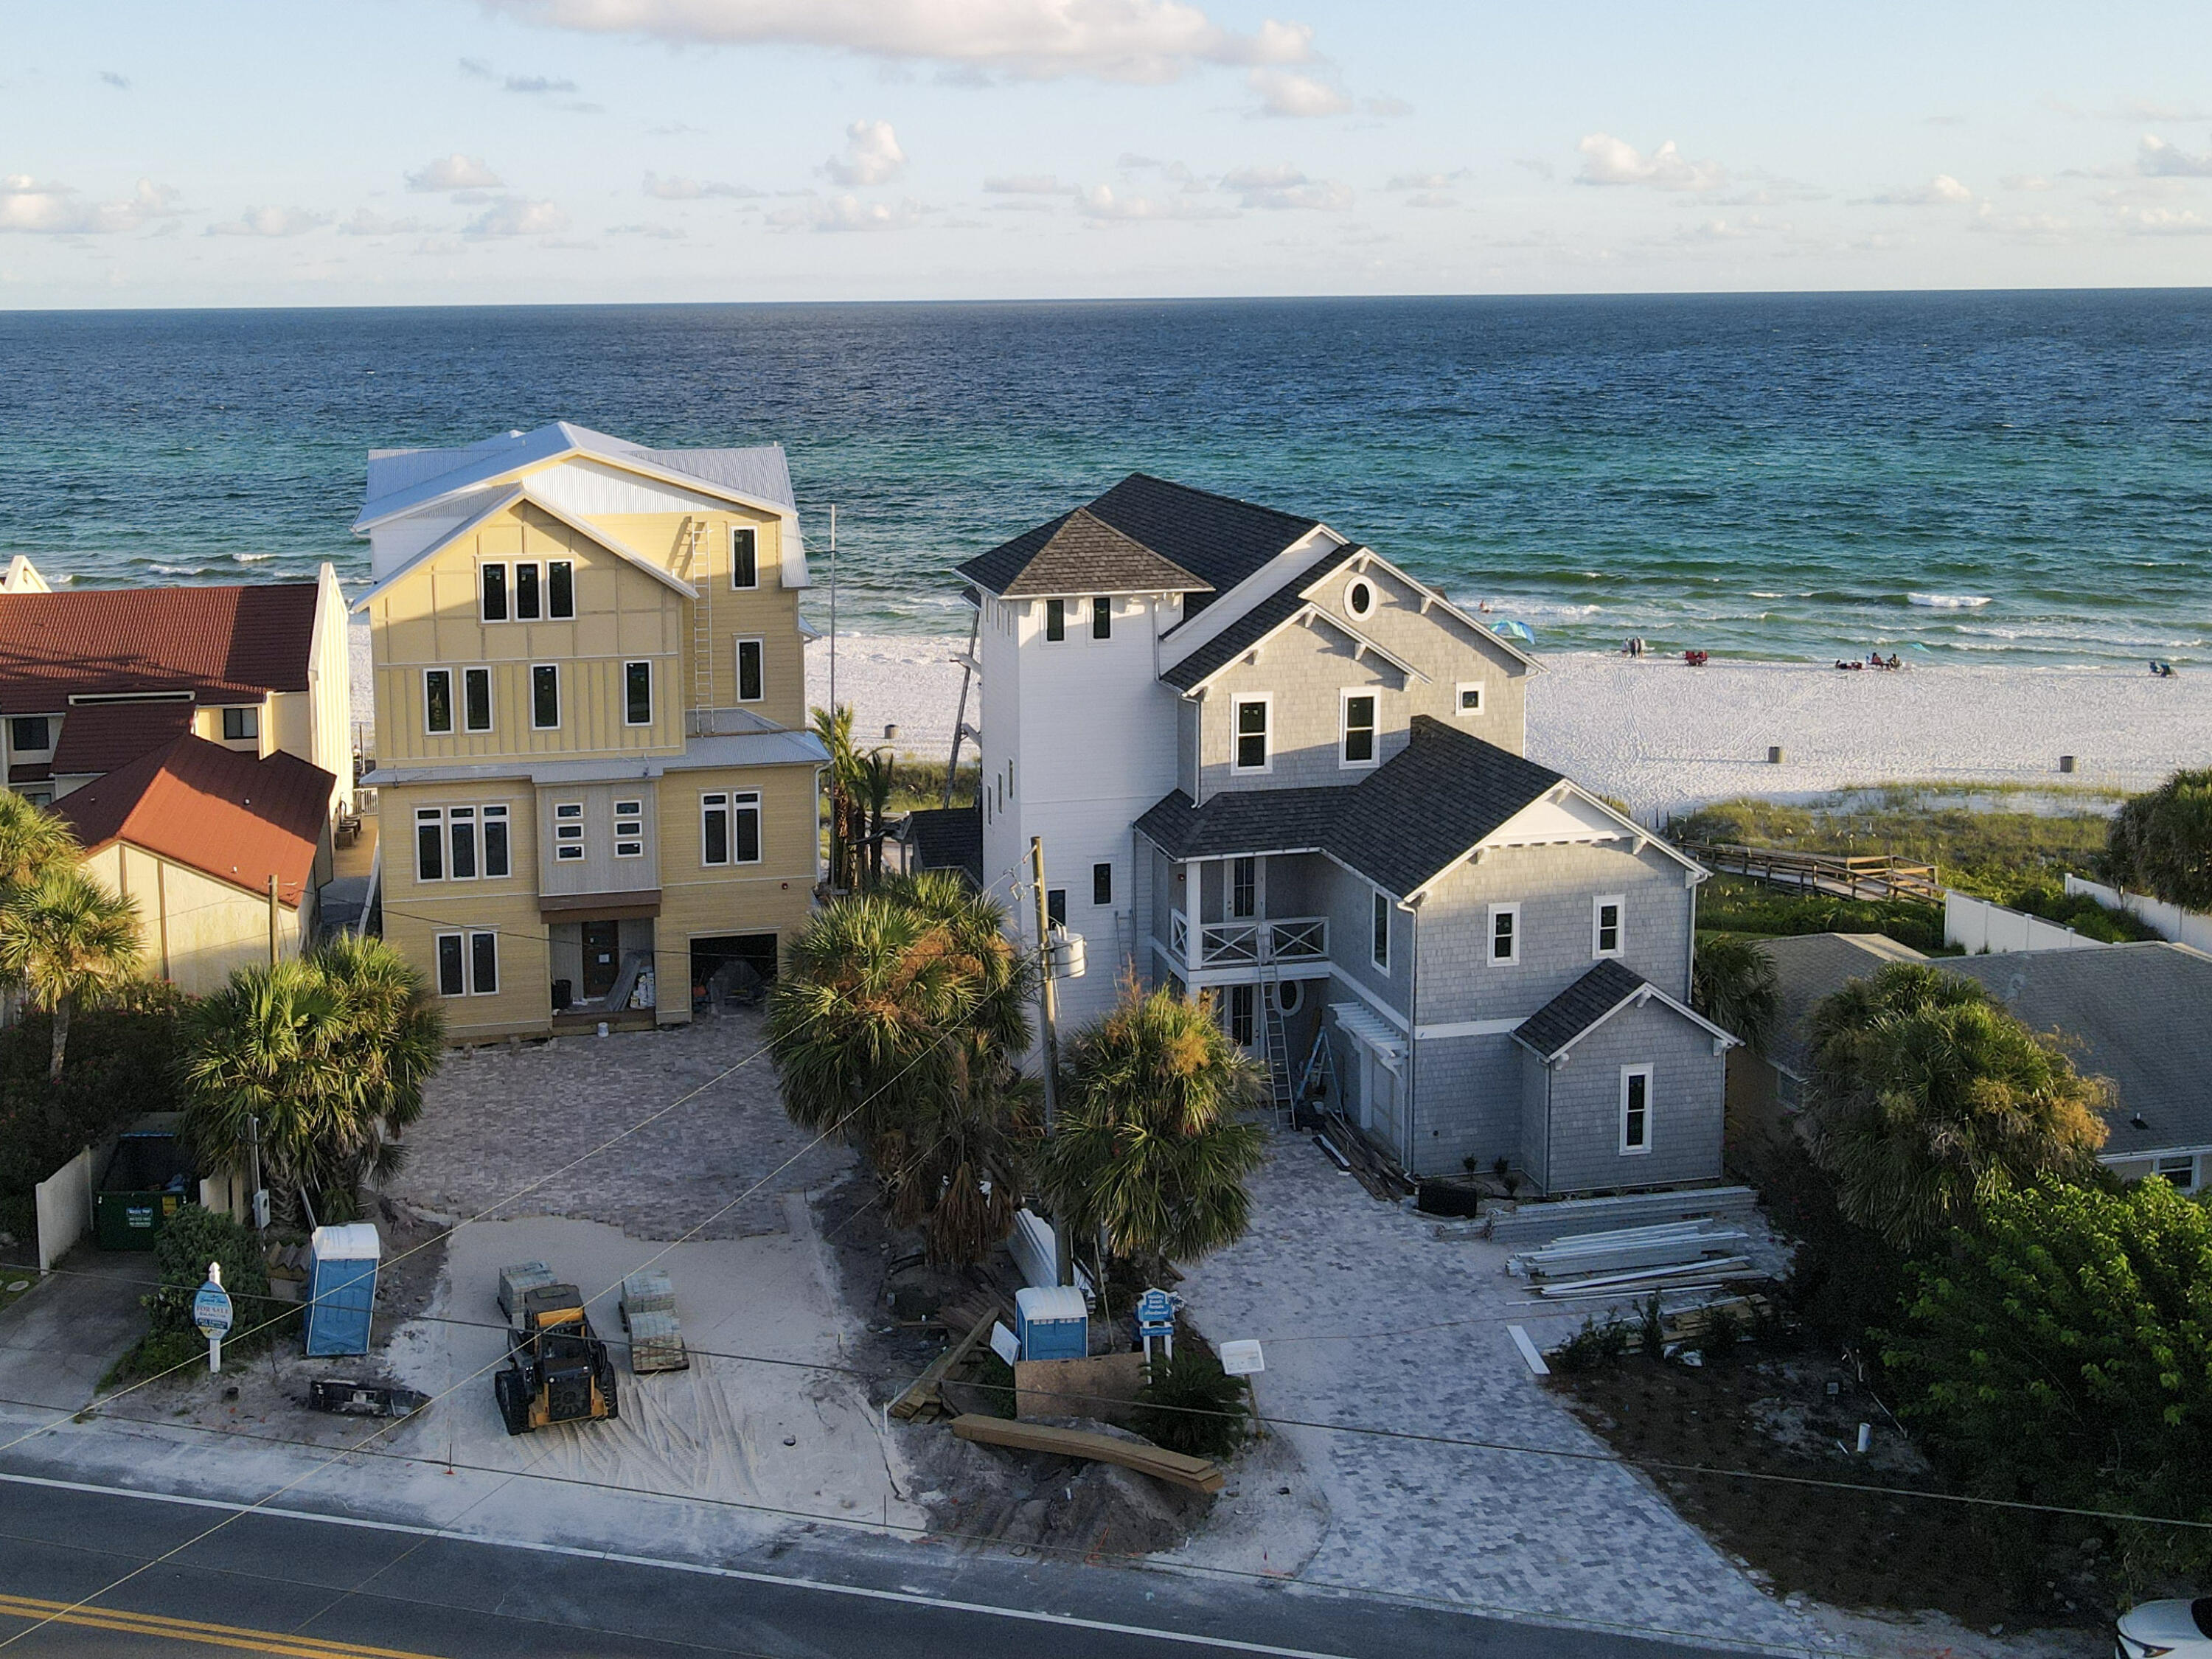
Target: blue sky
425,151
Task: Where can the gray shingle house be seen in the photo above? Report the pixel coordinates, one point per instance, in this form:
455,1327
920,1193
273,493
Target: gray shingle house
1269,766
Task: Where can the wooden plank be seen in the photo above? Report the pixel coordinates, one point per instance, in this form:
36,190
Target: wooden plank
1198,1474
921,1392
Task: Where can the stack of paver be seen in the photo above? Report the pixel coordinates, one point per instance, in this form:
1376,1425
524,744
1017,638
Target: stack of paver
516,1280
648,1314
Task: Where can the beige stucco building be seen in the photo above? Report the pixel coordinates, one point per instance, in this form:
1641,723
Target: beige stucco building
596,785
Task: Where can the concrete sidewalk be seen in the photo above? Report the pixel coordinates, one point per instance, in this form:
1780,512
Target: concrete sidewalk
58,1340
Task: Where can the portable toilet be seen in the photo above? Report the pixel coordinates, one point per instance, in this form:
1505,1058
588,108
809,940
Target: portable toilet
1053,1322
341,1287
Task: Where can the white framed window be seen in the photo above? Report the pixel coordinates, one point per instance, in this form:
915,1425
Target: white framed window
468,963
483,963
1359,596
2181,1170
527,590
1356,725
452,971
30,734
1241,1021
1055,620
1251,723
637,694
744,556
1378,946
1243,887
1468,702
1289,993
1055,907
1102,619
730,827
496,861
462,843
545,695
476,699
561,589
491,592
438,701
1635,1108
569,832
1102,884
430,843
752,671
1504,936
1609,928
240,723
629,828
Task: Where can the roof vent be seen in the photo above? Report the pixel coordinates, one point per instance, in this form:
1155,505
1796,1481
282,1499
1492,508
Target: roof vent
2139,1122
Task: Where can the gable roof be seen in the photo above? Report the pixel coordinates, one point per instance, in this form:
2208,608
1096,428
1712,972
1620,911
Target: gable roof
1214,541
1591,1001
1278,609
948,838
230,644
1811,967
1243,821
400,481
227,815
98,737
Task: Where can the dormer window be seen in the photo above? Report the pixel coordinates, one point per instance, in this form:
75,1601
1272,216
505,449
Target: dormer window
238,725
1360,598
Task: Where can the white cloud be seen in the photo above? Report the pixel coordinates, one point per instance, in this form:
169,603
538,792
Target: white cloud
2149,109
1941,190
2043,228
367,223
672,189
873,155
1287,92
269,222
517,215
2026,181
1424,180
60,210
1148,40
455,172
1389,108
1101,205
1431,199
847,213
1285,187
120,83
2163,222
2157,159
1610,161
662,233
1026,183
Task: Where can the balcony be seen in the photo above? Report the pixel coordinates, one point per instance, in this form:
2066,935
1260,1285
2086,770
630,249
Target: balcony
1249,943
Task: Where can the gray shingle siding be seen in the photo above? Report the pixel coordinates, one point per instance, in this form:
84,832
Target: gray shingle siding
1304,671
1469,1103
1687,1108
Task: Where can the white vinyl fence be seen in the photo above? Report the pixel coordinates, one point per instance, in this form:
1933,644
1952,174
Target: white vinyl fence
2191,927
1976,926
64,1205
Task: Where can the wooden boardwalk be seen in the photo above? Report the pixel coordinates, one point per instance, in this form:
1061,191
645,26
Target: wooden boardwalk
1879,877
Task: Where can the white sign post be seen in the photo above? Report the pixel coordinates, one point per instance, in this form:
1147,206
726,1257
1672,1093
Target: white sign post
211,1312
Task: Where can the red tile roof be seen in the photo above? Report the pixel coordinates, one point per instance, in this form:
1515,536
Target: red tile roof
98,737
214,810
226,644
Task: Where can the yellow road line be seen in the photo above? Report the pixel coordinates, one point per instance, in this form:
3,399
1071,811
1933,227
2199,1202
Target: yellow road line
234,1637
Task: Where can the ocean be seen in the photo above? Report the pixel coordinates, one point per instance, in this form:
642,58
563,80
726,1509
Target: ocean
1964,477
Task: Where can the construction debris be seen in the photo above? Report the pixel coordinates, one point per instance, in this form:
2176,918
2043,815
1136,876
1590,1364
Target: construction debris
1664,1245
1198,1474
921,1403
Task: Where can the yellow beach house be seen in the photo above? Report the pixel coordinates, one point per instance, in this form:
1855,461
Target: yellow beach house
596,784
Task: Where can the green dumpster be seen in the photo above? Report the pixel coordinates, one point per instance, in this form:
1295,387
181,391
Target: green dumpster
146,1180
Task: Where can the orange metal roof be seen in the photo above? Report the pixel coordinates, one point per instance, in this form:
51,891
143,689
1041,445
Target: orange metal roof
225,644
98,737
214,810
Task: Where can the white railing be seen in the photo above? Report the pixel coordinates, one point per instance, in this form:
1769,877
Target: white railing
1179,936
1246,944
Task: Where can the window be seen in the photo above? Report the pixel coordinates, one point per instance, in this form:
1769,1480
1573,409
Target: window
30,731
1251,729
569,832
1360,599
495,840
1288,994
561,589
1505,935
430,843
546,696
729,828
1240,1015
744,556
1635,1108
1244,887
2181,1171
451,982
1102,619
491,592
526,594
437,700
1470,697
483,965
240,724
752,680
476,699
1358,729
1102,884
1055,907
629,828
637,694
1605,926
1055,619
526,591
461,823
1379,946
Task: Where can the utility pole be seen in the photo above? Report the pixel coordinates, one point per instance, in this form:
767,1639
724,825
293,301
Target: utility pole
272,921
1063,1252
833,610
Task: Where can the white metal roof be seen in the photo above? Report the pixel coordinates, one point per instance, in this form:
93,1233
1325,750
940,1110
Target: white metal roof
354,1242
1051,1303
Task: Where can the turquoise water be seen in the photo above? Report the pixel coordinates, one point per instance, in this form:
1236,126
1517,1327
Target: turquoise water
1771,475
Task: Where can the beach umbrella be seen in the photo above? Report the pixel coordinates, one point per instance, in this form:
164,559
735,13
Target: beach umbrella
1514,630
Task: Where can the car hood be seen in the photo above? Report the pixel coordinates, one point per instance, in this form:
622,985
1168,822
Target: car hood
2165,1624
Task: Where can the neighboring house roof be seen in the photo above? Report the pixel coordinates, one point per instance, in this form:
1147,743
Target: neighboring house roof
225,814
224,644
1591,1001
1278,610
771,747
98,737
2141,1015
1214,541
1243,821
948,838
1079,552
1810,968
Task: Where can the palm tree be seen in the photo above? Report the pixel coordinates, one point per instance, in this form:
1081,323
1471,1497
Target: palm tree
1149,1152
394,1034
976,924
64,938
1732,983
1928,1098
33,840
956,1166
848,787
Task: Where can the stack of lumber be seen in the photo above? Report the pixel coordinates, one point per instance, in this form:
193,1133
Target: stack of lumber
1627,1261
1545,1222
648,1314
922,1403
1198,1474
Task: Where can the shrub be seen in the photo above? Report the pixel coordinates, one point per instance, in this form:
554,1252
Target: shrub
120,1065
1190,1405
1593,1347
1651,1327
193,1237
2161,842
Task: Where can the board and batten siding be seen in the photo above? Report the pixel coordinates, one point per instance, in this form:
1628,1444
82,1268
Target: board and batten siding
195,931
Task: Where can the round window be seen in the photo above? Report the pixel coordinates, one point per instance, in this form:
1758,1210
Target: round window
1361,598
1288,994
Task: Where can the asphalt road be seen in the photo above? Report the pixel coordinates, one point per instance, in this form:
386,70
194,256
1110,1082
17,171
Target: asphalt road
326,1587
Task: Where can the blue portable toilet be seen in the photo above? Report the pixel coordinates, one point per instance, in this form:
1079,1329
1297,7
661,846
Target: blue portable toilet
1053,1322
342,1287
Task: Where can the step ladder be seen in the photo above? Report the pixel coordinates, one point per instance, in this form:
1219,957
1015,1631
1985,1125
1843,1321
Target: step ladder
697,572
1321,1063
1277,1037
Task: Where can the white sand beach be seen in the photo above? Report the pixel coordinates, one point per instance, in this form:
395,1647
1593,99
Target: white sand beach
1661,735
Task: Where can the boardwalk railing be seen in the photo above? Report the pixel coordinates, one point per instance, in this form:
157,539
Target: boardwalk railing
1820,873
